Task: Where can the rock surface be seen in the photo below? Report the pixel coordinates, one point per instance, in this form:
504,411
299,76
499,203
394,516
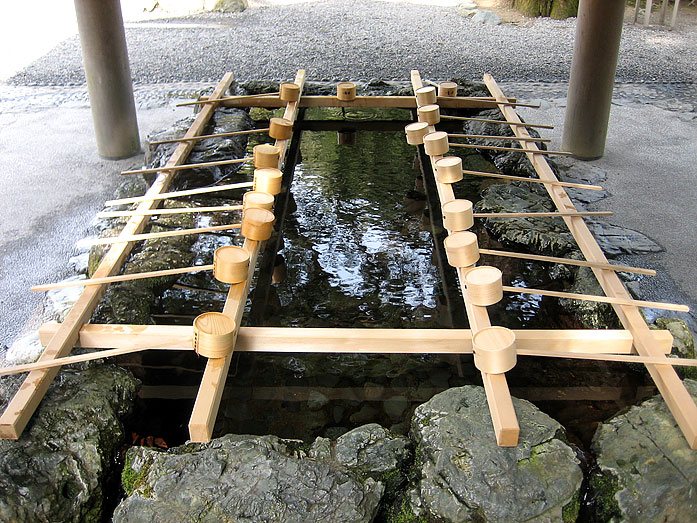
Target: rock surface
56,470
464,476
647,472
264,478
486,18
683,343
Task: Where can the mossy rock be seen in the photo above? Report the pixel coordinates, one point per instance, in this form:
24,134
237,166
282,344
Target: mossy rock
646,470
56,470
683,343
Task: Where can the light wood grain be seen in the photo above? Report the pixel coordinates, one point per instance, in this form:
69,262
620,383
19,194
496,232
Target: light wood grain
165,234
177,194
493,215
498,122
210,136
492,103
503,417
496,137
568,261
185,167
213,100
213,382
121,278
599,299
534,180
362,341
522,149
676,396
378,102
368,341
177,210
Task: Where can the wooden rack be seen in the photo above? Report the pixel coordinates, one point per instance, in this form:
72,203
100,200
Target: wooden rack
610,345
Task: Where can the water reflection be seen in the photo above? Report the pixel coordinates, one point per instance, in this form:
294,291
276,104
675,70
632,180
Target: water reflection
356,240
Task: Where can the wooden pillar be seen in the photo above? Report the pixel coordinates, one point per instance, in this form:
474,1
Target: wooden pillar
596,47
108,76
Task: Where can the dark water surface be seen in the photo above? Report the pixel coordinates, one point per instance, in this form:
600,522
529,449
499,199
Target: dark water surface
358,249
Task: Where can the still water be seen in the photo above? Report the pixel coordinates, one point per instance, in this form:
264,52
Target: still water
357,249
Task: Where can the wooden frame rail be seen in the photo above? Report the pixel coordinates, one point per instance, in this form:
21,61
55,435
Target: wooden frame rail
499,399
670,386
213,382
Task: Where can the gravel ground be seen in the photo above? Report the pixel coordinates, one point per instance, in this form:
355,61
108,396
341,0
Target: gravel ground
362,40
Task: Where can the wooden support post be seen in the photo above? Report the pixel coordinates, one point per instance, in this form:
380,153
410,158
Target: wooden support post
21,407
213,382
108,74
499,399
674,393
592,78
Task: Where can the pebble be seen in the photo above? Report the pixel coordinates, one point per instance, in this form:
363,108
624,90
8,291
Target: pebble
363,39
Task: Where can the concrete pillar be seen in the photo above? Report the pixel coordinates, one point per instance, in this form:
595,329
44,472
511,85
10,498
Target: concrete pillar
596,47
108,75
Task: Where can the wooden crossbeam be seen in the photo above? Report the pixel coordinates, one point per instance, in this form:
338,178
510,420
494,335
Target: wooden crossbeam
355,343
670,386
367,341
364,102
111,353
179,194
499,399
23,404
213,382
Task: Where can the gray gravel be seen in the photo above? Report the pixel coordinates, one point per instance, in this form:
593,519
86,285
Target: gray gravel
362,40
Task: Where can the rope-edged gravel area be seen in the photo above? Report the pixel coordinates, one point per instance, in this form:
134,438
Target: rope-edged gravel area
360,39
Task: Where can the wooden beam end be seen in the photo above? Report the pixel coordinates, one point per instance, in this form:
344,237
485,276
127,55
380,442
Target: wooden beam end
199,433
508,436
9,431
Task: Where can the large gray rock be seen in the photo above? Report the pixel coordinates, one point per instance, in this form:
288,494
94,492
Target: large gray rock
647,472
465,476
264,478
56,470
538,234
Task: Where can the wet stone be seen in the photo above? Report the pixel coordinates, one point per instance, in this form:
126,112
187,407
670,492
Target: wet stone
683,343
263,478
56,471
646,470
615,240
592,315
463,475
132,301
539,235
